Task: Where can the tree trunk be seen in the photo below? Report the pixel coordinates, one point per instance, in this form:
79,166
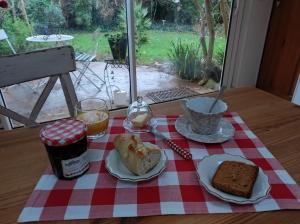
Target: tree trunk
224,9
202,28
210,27
202,38
13,9
24,13
66,7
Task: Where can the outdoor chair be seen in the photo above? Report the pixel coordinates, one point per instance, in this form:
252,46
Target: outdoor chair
55,63
84,60
3,36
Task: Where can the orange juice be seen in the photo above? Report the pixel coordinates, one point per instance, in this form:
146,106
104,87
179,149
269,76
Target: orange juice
96,121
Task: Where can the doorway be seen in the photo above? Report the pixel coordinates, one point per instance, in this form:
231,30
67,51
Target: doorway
280,64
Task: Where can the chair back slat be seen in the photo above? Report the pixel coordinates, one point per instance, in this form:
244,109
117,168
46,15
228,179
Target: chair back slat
15,69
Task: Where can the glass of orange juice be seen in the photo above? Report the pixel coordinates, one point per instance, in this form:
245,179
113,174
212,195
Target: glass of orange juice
94,113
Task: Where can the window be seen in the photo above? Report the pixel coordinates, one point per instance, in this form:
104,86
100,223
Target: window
179,48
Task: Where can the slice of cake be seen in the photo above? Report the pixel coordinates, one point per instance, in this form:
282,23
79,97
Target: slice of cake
141,120
235,178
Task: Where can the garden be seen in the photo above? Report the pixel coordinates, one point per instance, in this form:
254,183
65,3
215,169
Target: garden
189,35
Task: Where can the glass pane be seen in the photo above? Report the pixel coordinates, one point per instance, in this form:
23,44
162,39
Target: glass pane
180,48
88,26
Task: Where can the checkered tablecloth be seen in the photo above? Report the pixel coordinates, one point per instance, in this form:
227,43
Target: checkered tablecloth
97,194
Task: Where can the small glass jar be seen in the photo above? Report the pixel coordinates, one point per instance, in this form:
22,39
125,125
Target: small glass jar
139,114
66,144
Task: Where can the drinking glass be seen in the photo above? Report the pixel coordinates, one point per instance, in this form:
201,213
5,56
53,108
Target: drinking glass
94,113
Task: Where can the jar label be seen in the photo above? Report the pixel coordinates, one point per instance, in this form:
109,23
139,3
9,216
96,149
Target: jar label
75,166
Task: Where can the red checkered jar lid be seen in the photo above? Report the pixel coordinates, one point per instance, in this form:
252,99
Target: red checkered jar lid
63,132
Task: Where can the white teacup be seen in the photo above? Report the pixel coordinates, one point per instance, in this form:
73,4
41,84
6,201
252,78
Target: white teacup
196,110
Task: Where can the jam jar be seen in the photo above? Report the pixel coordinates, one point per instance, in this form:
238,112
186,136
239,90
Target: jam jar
66,144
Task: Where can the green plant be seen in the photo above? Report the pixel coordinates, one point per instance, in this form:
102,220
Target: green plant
142,22
115,36
118,45
186,59
17,32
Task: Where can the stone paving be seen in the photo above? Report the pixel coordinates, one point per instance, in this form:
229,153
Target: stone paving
21,98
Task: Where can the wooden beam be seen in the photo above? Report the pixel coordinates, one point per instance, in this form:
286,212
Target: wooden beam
69,92
43,97
17,117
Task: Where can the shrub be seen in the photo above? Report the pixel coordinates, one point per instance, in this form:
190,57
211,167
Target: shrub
36,10
17,32
142,22
219,57
83,13
188,13
186,59
46,17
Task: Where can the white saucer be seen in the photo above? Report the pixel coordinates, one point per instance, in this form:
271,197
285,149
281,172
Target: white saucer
226,131
116,168
128,126
207,167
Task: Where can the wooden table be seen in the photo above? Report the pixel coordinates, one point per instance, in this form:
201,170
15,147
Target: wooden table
275,121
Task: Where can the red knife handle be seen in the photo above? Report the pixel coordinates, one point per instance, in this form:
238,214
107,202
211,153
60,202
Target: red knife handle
184,153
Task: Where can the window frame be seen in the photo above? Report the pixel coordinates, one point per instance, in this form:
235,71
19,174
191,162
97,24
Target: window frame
248,28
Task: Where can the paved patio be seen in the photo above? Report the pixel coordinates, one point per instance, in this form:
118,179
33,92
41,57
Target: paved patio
21,98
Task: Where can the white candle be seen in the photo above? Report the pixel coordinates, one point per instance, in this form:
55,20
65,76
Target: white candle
120,97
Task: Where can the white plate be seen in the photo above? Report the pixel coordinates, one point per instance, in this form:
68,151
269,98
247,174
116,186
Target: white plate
128,126
207,167
225,132
116,168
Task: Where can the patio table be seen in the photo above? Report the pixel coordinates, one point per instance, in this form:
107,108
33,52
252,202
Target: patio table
57,38
275,121
53,39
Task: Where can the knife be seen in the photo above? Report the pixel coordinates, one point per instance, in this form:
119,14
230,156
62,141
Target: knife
183,153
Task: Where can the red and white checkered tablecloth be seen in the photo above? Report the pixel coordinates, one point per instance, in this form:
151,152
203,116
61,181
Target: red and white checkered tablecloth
97,194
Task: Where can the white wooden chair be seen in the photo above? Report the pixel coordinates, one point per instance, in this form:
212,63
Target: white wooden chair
4,120
3,36
55,63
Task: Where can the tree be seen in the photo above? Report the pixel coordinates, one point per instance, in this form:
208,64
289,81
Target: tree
23,12
206,20
224,9
13,10
211,31
142,22
107,10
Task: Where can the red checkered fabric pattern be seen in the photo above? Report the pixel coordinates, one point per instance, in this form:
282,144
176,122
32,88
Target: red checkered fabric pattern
97,194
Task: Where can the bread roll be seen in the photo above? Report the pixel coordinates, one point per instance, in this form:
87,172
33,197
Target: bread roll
137,156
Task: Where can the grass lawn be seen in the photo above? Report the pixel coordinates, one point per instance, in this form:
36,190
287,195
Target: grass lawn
156,49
